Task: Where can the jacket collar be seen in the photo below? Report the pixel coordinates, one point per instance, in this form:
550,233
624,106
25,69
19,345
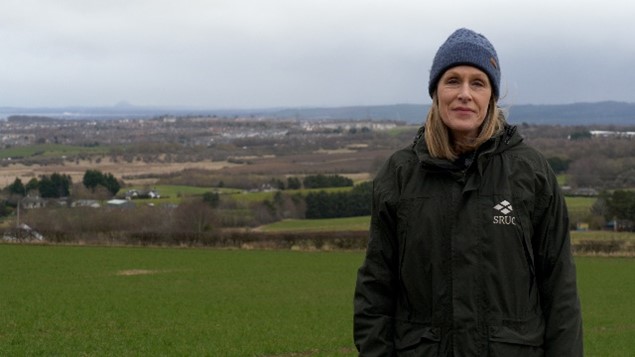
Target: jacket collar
499,143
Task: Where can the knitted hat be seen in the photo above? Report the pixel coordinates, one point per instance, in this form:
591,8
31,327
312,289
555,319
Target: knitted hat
466,47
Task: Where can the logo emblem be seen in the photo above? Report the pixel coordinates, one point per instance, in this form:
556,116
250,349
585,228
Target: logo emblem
504,208
492,61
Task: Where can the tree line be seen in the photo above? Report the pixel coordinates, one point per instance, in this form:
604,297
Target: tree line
355,202
48,186
59,185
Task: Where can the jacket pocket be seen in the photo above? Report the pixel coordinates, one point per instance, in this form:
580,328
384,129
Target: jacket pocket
412,339
507,341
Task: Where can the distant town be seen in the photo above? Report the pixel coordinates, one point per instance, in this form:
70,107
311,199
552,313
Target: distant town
19,130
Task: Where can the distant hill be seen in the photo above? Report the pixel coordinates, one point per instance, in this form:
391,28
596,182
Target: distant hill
603,113
599,113
613,113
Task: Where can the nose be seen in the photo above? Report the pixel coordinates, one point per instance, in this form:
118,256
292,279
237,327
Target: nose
464,93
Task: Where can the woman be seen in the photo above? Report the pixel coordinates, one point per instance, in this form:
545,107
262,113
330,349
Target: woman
469,251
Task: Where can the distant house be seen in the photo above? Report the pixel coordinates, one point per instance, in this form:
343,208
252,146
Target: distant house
86,203
613,134
29,202
134,194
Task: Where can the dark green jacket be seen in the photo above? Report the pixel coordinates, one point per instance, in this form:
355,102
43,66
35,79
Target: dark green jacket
468,260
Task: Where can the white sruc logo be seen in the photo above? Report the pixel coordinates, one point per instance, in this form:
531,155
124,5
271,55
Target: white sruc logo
505,208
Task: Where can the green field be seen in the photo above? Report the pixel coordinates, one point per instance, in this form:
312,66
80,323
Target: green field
580,206
114,301
175,193
602,235
244,196
607,288
320,225
51,150
60,300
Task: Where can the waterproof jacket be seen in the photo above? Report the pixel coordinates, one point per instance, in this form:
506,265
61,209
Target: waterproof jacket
468,259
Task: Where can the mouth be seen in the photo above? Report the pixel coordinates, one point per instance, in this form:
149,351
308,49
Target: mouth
463,110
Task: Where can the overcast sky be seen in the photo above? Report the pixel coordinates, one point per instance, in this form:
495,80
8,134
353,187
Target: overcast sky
302,53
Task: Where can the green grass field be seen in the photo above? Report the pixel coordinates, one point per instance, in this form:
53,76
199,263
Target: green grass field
175,193
579,206
243,196
52,150
602,235
115,301
320,225
607,288
60,300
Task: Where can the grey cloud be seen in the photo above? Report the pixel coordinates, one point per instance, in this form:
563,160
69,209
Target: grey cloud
252,53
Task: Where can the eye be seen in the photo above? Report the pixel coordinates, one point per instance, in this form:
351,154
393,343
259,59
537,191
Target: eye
452,80
480,83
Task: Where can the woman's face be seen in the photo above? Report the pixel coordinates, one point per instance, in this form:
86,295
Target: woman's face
463,93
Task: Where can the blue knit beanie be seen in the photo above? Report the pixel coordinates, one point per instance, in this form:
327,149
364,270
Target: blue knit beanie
466,47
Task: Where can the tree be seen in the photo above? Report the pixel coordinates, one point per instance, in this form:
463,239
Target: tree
340,204
94,178
62,184
212,199
277,183
590,171
294,183
17,187
55,186
322,181
620,205
32,185
558,164
360,199
194,217
111,183
46,187
581,135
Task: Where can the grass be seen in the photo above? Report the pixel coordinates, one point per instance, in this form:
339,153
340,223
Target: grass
562,179
579,206
175,193
181,190
607,287
60,300
312,225
602,235
51,150
99,301
394,132
268,195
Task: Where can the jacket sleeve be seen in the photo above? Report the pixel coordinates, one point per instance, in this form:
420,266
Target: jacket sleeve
555,272
376,288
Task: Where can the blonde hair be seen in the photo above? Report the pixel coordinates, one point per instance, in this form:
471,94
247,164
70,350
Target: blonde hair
439,141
